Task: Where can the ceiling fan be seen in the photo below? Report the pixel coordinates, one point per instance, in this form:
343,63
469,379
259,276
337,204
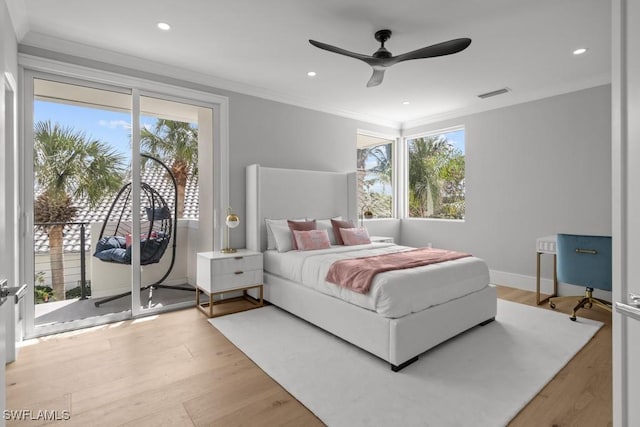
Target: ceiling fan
382,58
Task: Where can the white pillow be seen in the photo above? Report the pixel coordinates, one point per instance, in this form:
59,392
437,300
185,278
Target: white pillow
271,242
325,224
282,237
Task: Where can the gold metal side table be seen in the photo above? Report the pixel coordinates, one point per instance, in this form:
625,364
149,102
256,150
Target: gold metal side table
546,245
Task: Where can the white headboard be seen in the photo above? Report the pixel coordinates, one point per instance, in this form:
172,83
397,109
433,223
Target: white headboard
292,193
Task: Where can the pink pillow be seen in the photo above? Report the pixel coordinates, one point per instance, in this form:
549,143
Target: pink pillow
355,236
337,226
300,226
312,240
127,238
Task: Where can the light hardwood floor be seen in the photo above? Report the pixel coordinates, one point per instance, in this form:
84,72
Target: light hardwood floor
177,370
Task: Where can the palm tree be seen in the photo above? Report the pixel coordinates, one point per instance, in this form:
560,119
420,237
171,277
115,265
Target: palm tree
425,162
67,166
379,173
175,143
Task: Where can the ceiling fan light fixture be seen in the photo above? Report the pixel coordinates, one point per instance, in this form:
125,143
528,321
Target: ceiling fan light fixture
383,59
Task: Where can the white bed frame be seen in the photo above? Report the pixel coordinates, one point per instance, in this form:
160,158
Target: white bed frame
290,193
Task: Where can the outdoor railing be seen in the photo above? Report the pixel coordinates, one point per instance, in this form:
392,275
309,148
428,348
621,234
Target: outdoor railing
41,271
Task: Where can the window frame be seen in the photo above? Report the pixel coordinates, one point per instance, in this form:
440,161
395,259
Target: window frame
403,171
395,142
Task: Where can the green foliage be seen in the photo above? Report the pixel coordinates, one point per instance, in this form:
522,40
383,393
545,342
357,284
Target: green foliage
436,178
176,144
67,163
43,294
172,141
380,174
75,292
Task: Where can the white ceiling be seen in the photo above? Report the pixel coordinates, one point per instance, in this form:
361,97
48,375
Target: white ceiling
261,47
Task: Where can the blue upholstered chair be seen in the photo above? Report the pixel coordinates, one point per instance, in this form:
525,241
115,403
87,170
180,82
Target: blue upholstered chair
584,261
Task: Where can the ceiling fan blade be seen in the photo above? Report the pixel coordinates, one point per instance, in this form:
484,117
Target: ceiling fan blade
368,59
440,49
376,78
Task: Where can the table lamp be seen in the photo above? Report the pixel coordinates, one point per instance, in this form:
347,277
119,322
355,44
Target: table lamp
232,221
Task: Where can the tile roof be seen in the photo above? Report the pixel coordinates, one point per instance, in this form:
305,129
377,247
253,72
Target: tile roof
152,175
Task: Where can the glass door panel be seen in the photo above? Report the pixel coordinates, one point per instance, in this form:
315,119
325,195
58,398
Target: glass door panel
169,201
82,159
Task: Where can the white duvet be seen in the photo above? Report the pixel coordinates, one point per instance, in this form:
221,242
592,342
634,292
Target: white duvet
393,293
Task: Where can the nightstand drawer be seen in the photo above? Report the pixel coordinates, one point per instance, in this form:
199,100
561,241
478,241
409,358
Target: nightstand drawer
225,266
240,279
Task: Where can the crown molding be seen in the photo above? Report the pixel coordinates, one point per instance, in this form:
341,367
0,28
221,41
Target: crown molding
90,56
55,48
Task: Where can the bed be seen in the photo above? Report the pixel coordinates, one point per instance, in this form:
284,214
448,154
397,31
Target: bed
396,330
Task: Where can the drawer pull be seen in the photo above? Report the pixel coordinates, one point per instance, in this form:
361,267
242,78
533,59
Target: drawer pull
238,257
238,272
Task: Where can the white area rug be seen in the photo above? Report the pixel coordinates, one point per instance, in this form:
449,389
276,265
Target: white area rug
481,378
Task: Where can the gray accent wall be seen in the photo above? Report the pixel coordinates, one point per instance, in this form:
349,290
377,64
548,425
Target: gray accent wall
278,135
532,169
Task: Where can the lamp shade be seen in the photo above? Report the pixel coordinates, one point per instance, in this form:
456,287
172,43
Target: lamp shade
232,220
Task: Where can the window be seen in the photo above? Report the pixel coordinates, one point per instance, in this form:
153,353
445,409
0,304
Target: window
375,177
435,175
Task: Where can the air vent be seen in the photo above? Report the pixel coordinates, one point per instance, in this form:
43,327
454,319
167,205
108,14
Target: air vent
494,93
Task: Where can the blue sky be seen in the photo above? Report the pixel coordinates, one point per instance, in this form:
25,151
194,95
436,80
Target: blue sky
456,138
111,127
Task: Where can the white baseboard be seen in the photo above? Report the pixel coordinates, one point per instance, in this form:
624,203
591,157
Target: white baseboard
528,283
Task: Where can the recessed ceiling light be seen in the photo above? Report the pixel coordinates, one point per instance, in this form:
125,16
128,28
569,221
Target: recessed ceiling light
311,74
580,51
405,103
164,26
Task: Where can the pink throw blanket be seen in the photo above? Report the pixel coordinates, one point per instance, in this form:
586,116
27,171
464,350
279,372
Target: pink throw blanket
357,274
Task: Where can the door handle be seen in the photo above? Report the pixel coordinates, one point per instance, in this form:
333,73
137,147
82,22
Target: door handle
628,310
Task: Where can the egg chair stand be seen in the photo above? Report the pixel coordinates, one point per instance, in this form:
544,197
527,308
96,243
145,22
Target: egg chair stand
160,228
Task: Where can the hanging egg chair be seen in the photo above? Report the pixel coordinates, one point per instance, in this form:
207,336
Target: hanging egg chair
158,227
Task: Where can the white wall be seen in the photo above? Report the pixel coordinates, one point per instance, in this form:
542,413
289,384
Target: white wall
384,227
8,64
532,170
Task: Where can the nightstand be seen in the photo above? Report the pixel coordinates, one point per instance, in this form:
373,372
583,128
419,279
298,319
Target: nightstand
218,273
381,239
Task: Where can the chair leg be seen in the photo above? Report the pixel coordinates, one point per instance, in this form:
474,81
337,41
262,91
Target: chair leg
580,305
602,303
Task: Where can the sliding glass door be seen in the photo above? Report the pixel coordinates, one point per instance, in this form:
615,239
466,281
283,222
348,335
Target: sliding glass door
170,137
81,160
115,203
